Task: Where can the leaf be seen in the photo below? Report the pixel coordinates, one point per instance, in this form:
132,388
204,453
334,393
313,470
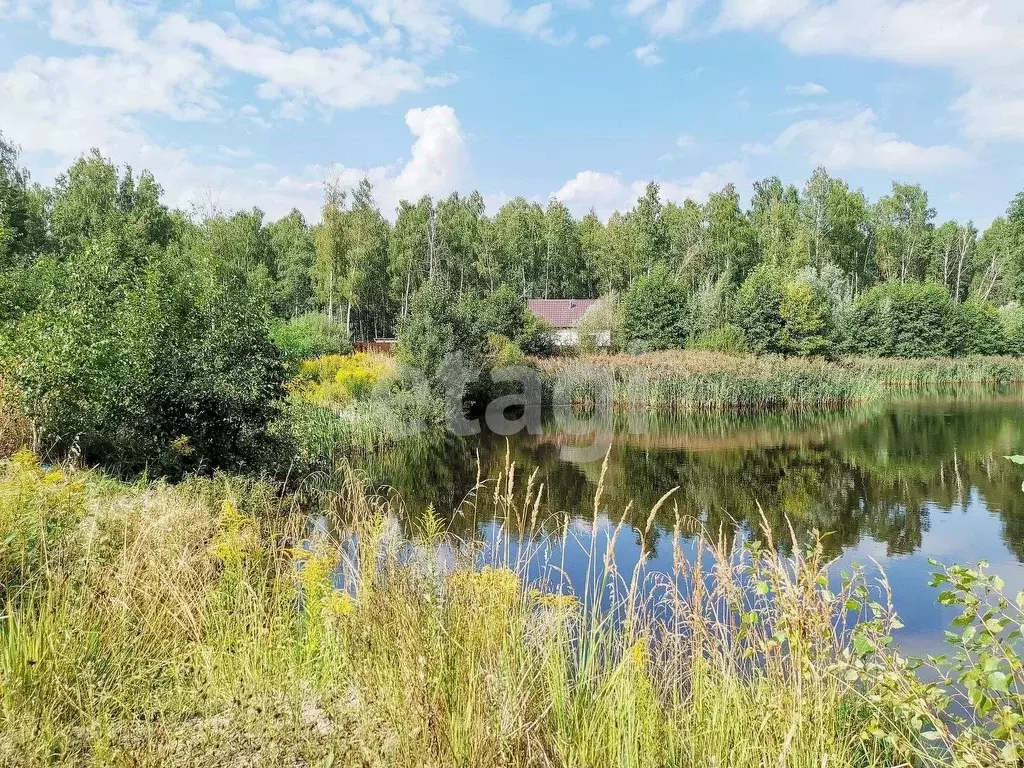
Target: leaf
1016,459
998,681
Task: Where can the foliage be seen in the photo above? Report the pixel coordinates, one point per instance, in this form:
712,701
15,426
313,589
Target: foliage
904,320
728,339
138,354
310,335
653,312
758,310
805,317
599,322
436,331
977,329
537,336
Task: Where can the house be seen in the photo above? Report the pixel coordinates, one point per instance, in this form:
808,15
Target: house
565,316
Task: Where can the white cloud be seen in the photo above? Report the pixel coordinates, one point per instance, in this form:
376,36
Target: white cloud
324,13
648,54
686,141
426,23
500,13
248,5
438,165
807,89
345,77
606,193
597,41
234,153
664,18
749,14
858,142
981,43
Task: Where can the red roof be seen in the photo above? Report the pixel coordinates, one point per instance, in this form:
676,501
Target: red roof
561,313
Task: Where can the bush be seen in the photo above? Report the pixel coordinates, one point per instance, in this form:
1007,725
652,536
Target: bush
758,310
728,339
502,352
653,312
903,320
308,336
436,329
805,315
537,336
600,319
171,368
1011,317
977,329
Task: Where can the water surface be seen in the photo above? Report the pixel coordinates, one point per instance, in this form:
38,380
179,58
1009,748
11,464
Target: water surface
896,482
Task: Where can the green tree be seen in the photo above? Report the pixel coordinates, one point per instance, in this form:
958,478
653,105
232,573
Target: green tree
436,329
903,232
653,312
292,250
758,310
805,320
332,246
648,238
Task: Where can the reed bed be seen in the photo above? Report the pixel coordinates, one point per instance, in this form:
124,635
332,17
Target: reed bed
209,623
693,380
696,380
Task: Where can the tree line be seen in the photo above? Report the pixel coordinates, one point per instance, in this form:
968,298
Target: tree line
124,323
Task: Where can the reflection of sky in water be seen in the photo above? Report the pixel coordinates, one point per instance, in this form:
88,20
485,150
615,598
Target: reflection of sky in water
885,482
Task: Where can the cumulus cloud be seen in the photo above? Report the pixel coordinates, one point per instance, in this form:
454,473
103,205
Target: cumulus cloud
606,193
859,142
597,41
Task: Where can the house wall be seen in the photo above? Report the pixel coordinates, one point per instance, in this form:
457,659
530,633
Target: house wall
570,337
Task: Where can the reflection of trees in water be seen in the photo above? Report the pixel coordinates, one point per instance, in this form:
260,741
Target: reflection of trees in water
875,472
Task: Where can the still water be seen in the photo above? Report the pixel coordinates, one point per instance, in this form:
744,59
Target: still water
894,483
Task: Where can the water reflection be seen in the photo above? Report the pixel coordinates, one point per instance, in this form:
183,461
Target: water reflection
881,472
896,482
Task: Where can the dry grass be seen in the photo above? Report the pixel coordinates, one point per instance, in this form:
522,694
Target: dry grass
208,624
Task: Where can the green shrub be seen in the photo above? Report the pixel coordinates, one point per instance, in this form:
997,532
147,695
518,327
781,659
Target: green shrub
653,312
309,336
903,320
436,329
600,319
728,339
537,336
502,352
805,316
1011,317
758,310
976,329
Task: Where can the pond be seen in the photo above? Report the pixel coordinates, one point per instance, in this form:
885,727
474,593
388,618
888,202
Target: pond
894,483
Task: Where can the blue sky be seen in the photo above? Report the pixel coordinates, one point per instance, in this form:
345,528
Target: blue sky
253,102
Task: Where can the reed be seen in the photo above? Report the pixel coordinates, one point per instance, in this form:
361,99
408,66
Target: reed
695,380
210,624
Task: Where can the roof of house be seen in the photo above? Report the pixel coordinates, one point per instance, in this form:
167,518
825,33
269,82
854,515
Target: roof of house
561,313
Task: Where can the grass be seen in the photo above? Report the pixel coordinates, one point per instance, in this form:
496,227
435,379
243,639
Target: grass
15,428
696,380
208,624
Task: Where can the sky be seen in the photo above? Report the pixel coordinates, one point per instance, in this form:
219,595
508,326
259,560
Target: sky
243,103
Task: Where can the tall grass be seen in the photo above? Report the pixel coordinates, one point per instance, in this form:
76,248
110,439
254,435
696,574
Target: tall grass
696,380
692,380
15,427
209,624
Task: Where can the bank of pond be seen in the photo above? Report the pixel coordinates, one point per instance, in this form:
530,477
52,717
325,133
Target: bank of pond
736,589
